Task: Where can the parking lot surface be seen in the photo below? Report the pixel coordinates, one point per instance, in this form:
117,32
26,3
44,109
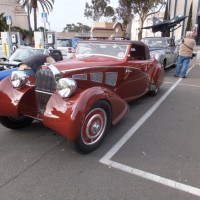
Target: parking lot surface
153,153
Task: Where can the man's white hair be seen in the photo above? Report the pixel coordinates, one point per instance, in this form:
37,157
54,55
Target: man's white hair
188,34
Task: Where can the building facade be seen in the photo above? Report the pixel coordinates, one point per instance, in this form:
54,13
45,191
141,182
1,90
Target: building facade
182,7
175,8
18,15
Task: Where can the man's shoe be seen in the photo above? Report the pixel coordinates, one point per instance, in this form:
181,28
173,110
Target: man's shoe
184,77
175,75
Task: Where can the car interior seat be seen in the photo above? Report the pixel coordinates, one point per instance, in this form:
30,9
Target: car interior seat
139,51
56,54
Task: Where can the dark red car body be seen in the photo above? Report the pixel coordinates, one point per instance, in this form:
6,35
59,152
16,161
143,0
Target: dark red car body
105,85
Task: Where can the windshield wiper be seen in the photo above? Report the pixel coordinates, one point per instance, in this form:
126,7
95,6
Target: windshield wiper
93,45
118,47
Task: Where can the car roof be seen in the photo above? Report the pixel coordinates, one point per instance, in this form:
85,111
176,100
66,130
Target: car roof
156,37
112,41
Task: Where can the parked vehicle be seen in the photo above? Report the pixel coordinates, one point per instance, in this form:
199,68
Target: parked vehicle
163,49
7,66
67,46
81,97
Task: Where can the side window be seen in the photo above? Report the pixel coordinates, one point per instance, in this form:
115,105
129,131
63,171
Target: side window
137,52
171,42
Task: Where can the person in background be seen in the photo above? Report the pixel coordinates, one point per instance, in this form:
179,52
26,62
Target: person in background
185,54
31,64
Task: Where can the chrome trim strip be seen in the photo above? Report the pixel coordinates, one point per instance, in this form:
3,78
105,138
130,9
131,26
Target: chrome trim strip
93,67
55,72
34,118
39,91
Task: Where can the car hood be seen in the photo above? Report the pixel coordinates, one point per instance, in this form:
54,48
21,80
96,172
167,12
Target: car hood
87,62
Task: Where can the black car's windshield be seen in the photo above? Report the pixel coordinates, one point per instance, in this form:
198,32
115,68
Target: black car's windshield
21,54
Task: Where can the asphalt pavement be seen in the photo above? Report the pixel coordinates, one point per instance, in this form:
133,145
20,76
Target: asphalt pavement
152,154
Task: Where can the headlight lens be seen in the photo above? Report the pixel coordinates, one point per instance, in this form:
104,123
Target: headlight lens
19,78
66,87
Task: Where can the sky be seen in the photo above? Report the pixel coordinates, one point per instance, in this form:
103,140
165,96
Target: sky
67,12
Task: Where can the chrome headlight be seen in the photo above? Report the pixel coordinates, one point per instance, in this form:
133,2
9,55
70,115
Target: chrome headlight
18,78
66,87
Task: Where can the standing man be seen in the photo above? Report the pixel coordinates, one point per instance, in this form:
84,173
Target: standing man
185,54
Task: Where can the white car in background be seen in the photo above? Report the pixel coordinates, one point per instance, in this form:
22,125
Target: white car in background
67,46
163,49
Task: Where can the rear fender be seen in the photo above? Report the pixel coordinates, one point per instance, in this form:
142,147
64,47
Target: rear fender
158,76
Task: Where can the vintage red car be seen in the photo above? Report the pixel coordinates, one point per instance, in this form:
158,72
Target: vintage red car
81,97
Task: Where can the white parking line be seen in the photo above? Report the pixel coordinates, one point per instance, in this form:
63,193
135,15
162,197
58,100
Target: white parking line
106,159
153,177
182,84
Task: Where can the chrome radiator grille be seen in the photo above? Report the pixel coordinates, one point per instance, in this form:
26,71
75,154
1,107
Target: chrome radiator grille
45,86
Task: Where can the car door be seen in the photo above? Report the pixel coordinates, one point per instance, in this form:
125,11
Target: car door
136,80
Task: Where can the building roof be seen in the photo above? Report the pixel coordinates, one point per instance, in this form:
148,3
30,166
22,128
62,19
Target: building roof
106,26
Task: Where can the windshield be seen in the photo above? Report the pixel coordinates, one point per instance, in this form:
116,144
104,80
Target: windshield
116,50
155,42
64,43
21,54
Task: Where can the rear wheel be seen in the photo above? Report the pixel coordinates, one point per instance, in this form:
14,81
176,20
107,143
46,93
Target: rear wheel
153,90
94,128
15,122
164,64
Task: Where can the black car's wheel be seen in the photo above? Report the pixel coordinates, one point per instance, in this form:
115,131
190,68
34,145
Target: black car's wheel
94,128
15,122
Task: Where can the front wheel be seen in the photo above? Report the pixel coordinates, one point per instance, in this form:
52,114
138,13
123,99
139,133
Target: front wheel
94,128
15,122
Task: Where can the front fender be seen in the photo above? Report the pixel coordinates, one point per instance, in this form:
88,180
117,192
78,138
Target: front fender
67,116
16,101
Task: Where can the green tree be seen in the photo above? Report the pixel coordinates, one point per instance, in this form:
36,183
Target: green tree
98,9
80,28
23,33
47,6
142,8
166,17
189,22
125,12
3,24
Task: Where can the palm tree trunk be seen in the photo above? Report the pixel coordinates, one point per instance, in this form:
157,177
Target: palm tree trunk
34,5
35,19
29,18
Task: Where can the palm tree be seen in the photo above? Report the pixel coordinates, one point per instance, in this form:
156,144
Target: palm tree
3,24
47,6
